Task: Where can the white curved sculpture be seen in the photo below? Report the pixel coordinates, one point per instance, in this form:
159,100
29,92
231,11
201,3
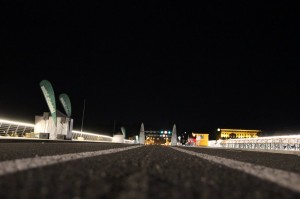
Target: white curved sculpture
174,136
142,135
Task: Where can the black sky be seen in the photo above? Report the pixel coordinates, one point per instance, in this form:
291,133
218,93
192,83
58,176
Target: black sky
215,64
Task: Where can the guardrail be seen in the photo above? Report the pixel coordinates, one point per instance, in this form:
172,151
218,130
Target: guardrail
15,129
85,136
81,136
289,142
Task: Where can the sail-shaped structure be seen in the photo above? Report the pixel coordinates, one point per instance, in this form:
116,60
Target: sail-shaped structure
174,136
142,134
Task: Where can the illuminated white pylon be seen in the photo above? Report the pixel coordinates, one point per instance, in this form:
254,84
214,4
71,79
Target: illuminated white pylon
142,135
174,136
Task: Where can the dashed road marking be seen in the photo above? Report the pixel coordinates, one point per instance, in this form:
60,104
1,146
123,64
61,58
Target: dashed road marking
12,166
285,179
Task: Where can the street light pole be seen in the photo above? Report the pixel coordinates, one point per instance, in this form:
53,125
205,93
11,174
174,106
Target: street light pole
82,115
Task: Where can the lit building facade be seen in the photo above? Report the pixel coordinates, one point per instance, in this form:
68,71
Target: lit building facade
158,137
201,139
237,133
164,137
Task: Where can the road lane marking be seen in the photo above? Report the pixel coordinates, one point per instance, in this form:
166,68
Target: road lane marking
12,166
282,178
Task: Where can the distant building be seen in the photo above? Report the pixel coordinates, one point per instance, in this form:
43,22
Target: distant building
200,139
163,137
158,137
237,133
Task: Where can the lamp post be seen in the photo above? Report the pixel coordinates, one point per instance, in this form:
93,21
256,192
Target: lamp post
82,115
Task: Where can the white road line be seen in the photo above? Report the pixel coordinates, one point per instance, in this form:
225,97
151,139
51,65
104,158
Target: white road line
12,166
285,179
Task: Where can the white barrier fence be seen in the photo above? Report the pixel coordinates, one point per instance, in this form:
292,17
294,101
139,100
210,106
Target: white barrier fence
14,129
289,142
84,136
81,136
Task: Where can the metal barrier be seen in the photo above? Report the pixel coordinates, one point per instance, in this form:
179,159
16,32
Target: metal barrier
15,129
81,136
289,142
84,136
129,141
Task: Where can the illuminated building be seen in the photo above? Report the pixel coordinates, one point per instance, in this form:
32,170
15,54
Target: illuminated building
237,133
163,137
158,137
201,139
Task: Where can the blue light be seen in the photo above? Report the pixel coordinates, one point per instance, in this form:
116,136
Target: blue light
169,132
161,132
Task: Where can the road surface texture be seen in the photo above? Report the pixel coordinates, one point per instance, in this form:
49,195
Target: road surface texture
123,171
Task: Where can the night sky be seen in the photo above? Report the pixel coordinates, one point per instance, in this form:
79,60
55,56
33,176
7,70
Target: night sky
214,64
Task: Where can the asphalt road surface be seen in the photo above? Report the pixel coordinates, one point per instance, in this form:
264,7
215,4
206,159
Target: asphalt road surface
109,170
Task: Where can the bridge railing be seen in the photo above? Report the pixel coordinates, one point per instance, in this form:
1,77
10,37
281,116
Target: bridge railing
289,142
85,136
81,136
10,128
